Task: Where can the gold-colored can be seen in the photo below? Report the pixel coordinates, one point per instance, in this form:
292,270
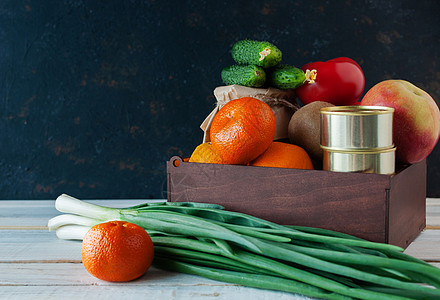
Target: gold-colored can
360,161
357,127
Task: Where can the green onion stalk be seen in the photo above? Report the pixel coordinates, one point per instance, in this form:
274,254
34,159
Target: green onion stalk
207,240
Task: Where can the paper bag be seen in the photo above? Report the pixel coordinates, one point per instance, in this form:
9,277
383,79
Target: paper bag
282,103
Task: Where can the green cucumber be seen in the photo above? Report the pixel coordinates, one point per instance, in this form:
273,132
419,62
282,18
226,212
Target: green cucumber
285,77
263,54
249,75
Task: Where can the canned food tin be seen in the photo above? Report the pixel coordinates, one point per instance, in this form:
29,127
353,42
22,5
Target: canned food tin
378,162
357,127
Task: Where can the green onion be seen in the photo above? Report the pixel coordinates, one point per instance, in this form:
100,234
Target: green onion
251,280
368,260
207,240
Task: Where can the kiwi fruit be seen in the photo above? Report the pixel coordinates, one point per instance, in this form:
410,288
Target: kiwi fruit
305,128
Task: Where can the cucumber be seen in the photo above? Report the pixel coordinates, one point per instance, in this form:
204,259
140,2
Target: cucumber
263,54
249,75
285,77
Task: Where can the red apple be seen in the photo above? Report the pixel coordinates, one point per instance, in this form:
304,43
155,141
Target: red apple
416,122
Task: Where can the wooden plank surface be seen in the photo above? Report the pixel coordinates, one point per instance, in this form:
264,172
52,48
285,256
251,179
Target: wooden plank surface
136,292
35,264
37,246
433,213
426,246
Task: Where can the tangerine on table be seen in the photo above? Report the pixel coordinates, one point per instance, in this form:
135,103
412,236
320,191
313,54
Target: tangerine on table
284,155
242,130
117,251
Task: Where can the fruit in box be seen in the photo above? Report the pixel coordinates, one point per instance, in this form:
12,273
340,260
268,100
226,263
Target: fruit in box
242,130
284,155
305,128
416,121
282,103
204,153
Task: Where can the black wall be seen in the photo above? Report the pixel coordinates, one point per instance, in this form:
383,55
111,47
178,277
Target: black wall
95,96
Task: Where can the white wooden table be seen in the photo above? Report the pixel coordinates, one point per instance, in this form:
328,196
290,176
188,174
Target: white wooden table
34,264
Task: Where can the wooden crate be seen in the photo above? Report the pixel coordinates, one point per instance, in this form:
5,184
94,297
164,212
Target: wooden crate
380,208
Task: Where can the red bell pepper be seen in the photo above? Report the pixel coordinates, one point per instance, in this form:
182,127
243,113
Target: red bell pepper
339,81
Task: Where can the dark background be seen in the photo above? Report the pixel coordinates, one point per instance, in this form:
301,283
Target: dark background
96,96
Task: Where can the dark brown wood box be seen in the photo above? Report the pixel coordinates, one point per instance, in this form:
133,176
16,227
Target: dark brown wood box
380,208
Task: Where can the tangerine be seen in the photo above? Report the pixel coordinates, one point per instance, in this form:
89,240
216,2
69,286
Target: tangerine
117,251
242,130
204,153
284,155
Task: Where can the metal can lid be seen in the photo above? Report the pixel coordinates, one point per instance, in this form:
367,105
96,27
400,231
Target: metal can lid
360,151
353,110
